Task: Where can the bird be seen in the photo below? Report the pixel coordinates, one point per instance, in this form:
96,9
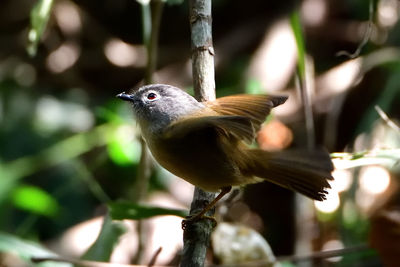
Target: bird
208,143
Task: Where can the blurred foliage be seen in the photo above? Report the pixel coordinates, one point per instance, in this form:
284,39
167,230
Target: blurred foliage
39,17
26,250
108,238
35,200
133,211
301,52
69,150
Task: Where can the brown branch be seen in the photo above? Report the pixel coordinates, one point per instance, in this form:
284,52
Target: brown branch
196,236
154,257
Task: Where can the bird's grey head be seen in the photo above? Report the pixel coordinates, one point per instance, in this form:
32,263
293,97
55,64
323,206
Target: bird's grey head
157,105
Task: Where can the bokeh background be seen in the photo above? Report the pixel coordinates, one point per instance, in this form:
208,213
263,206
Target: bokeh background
68,146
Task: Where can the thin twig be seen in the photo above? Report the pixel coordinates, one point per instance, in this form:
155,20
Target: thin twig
323,254
386,119
299,258
366,37
154,258
368,157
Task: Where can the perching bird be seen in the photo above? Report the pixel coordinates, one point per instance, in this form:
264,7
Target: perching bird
205,142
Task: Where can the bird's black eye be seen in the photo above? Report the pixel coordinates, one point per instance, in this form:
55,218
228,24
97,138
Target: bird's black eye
152,96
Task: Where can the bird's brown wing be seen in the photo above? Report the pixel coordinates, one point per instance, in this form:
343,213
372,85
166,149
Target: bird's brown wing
239,127
254,107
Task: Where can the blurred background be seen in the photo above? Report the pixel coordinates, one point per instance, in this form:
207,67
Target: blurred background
68,146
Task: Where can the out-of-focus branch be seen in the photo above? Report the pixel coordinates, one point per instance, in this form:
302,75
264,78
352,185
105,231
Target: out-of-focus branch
386,119
196,236
303,207
83,263
367,35
151,17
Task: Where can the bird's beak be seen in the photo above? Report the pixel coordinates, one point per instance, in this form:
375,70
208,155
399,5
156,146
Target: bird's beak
125,97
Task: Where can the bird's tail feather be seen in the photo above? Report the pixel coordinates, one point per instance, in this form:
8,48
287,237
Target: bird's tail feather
303,171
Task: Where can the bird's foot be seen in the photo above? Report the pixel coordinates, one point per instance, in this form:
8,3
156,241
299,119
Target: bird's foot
195,218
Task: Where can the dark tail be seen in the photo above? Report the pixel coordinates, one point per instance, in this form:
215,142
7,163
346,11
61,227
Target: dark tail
303,171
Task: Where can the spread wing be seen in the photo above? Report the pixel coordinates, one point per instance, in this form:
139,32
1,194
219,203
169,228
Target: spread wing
238,116
254,107
235,126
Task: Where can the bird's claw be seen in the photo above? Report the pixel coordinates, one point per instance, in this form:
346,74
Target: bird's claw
194,218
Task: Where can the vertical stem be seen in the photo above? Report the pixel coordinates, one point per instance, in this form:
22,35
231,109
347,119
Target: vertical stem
151,17
308,113
196,236
302,78
304,210
152,44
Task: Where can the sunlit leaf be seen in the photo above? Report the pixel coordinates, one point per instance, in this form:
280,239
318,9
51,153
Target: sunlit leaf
26,250
134,211
39,17
108,238
35,200
122,148
122,153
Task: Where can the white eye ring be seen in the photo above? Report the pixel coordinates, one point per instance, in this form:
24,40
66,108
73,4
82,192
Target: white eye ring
151,96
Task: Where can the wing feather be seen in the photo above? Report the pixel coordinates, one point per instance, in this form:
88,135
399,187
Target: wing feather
254,107
238,127
237,116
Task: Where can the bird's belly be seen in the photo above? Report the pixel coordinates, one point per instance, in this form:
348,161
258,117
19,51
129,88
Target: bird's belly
203,164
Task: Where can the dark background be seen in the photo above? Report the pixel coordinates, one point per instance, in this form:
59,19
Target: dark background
92,81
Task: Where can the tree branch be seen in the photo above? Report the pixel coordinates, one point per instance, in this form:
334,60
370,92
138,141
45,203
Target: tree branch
196,236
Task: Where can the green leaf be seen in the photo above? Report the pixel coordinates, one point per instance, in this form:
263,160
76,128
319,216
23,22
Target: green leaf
122,149
134,211
39,17
298,34
105,243
35,200
26,250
